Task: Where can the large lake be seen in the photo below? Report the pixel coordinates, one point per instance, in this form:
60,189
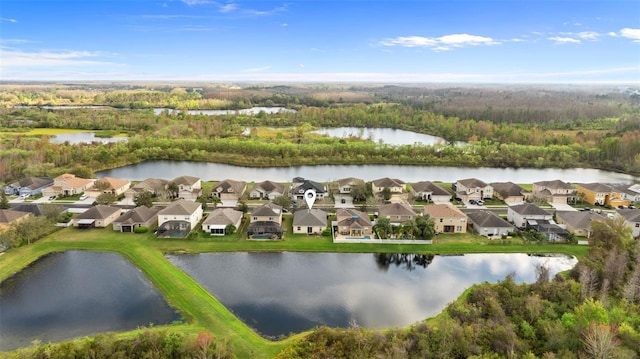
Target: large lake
74,294
282,293
216,171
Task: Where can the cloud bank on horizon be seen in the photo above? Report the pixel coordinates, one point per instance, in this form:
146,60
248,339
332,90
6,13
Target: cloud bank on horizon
317,41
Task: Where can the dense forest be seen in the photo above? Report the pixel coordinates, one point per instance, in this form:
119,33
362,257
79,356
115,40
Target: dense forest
557,129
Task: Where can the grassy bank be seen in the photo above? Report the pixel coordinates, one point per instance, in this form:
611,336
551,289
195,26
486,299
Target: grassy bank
199,308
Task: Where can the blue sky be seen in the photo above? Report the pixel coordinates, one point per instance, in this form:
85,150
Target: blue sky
327,41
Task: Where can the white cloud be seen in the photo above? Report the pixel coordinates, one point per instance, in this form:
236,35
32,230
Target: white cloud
442,43
17,58
564,40
258,69
6,19
196,2
228,7
613,34
633,34
588,35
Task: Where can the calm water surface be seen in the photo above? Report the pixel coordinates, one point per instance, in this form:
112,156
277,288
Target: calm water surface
282,293
84,137
388,136
218,171
77,293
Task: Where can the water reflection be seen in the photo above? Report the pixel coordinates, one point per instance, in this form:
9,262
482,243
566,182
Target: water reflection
84,137
289,292
77,293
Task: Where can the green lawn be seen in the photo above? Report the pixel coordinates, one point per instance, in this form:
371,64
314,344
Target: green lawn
203,311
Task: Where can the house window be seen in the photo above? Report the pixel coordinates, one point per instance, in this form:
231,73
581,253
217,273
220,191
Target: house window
217,230
299,228
255,218
637,225
459,229
441,220
462,220
271,218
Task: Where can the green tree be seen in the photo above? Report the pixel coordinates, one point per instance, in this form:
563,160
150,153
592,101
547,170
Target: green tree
144,199
230,229
106,198
426,228
4,202
284,201
386,193
359,192
173,190
383,227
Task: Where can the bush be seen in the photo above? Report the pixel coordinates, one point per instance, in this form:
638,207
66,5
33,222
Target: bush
141,229
326,232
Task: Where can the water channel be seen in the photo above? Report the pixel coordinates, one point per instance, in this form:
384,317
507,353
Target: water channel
74,294
282,293
217,171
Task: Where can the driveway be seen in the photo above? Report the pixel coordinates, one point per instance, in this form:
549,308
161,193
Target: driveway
562,207
348,201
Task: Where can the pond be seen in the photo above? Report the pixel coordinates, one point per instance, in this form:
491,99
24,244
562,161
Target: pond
246,111
389,136
217,171
282,293
83,137
74,294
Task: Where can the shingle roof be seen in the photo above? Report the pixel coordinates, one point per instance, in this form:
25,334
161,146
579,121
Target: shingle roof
396,209
428,186
631,215
578,219
596,187
444,210
507,189
472,183
349,180
180,207
223,216
269,186
267,209
388,182
230,186
309,184
150,184
310,217
554,184
114,183
529,209
138,215
98,212
73,181
34,182
186,180
8,216
352,218
484,218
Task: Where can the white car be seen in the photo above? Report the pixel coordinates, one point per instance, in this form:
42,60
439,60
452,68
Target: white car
83,197
25,196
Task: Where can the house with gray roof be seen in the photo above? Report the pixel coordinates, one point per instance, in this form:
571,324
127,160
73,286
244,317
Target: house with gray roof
30,185
217,221
229,189
300,185
137,217
268,212
346,184
554,191
519,214
488,224
472,189
396,187
179,218
578,222
9,216
267,190
189,187
632,219
397,212
309,221
155,186
97,216
510,192
429,191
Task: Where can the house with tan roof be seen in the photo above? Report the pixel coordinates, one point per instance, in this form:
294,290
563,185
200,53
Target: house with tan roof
179,218
137,217
510,192
9,216
447,218
189,187
578,222
98,216
429,191
555,191
267,190
155,186
111,185
67,185
472,189
601,194
229,190
345,185
351,223
397,212
217,221
396,187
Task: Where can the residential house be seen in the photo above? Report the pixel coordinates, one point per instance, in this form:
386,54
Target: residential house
548,228
28,186
578,222
447,218
510,192
229,190
352,223
108,185
519,214
309,221
267,190
137,217
472,189
264,230
429,191
98,216
632,219
8,216
189,187
179,218
300,185
67,185
155,186
217,221
397,212
488,224
268,212
555,191
628,193
345,185
396,187
601,194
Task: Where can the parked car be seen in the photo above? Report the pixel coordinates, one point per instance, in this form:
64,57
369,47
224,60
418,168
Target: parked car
83,197
25,196
51,198
472,201
480,202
